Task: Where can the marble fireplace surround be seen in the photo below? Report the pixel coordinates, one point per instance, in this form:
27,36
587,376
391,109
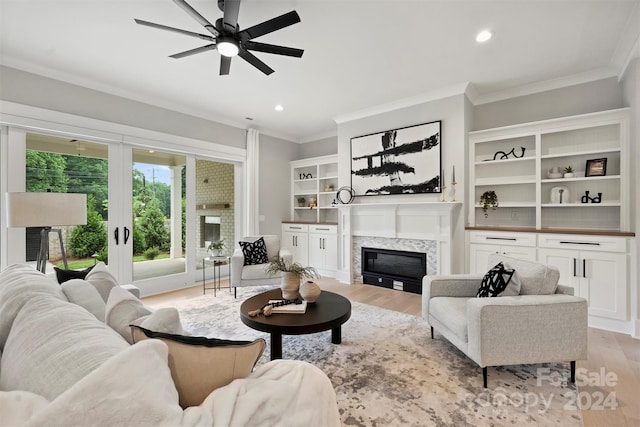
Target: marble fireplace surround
412,226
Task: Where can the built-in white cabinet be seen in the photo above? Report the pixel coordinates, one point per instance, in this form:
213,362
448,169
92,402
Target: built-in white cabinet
323,248
595,266
314,245
314,183
484,244
295,239
525,166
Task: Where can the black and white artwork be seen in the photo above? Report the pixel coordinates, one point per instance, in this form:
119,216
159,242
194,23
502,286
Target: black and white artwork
399,161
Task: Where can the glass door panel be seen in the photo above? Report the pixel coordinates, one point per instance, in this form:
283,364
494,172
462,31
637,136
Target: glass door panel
159,220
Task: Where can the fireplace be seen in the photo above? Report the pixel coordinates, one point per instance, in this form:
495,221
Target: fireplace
400,270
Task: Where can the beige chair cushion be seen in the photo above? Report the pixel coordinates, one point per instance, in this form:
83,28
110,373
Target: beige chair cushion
200,365
122,310
535,278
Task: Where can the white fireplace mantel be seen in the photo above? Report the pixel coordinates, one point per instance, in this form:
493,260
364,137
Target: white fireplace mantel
411,220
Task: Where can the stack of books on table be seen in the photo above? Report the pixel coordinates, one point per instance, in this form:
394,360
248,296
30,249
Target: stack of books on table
290,308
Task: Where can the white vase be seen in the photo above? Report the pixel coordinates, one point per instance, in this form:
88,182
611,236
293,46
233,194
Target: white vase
310,291
568,175
290,285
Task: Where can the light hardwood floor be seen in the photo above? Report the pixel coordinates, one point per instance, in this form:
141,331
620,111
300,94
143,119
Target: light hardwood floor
610,353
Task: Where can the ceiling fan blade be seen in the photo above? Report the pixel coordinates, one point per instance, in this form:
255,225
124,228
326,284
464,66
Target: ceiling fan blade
253,60
269,26
193,51
195,15
175,30
230,18
225,65
272,48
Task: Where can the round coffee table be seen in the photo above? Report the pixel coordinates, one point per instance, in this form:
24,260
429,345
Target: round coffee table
329,311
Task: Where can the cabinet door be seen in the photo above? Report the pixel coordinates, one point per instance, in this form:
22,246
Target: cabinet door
330,247
479,257
297,244
568,263
316,254
323,252
605,276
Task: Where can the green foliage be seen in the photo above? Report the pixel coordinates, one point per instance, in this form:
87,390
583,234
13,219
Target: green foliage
45,171
488,199
90,176
103,255
151,253
280,264
88,239
139,242
152,226
184,222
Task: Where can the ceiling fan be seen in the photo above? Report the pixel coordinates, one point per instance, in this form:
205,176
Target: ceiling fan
227,38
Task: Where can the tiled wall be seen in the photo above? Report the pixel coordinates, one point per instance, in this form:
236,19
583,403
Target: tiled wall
425,246
218,189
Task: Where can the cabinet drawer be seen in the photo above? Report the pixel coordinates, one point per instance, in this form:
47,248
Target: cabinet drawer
296,228
584,243
503,238
323,229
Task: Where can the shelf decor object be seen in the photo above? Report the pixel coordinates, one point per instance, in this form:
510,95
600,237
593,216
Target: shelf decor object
560,195
587,199
596,167
489,199
399,161
501,155
568,172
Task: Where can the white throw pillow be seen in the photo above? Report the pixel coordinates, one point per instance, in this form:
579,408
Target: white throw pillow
123,309
102,280
165,320
52,345
82,293
133,388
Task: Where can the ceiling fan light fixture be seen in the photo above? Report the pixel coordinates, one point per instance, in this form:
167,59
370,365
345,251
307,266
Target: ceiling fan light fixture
227,46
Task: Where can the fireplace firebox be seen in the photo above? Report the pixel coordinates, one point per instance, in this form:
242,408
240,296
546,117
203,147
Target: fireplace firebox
400,270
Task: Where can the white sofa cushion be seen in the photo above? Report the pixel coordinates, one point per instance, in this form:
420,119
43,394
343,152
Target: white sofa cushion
123,309
452,312
85,295
252,272
535,278
52,345
18,284
18,406
133,388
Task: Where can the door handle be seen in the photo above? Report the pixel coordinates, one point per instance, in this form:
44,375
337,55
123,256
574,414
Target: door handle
126,235
584,268
116,235
575,263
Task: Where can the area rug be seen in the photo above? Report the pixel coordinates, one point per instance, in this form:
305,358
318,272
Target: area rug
389,372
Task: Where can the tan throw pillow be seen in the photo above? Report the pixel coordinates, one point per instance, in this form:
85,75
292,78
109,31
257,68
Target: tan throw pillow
200,365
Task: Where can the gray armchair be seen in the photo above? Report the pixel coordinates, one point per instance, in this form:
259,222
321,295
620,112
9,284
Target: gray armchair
255,275
509,330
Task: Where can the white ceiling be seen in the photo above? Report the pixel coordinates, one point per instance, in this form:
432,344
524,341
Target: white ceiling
359,54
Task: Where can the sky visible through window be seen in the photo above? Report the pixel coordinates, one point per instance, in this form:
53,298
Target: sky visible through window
154,173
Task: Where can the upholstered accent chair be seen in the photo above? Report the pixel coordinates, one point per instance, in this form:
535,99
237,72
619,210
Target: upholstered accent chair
255,274
544,323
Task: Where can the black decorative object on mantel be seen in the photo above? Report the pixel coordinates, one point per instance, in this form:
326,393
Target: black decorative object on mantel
587,199
306,176
344,196
504,156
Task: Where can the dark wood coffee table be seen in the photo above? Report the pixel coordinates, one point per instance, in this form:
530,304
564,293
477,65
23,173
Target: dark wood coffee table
329,311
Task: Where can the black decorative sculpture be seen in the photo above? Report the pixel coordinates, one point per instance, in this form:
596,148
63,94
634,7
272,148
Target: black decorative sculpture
504,155
587,199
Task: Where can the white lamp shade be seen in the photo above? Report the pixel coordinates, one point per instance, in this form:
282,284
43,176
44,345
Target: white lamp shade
46,209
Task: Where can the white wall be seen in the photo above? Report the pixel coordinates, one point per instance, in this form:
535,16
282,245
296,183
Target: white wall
631,86
451,112
321,147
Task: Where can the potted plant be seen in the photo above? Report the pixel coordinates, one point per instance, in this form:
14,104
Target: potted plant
301,201
568,172
292,273
489,199
217,246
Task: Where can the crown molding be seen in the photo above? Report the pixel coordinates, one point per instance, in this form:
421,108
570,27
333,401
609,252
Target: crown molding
403,103
628,47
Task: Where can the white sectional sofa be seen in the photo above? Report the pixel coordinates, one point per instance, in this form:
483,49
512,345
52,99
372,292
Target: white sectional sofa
66,360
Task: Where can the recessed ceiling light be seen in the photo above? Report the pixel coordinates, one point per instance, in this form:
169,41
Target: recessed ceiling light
483,36
279,107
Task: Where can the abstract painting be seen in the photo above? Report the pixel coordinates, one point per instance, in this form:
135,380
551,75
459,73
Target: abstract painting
399,161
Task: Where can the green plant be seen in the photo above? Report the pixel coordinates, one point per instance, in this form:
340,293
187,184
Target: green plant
278,264
217,245
85,240
151,253
568,169
489,199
